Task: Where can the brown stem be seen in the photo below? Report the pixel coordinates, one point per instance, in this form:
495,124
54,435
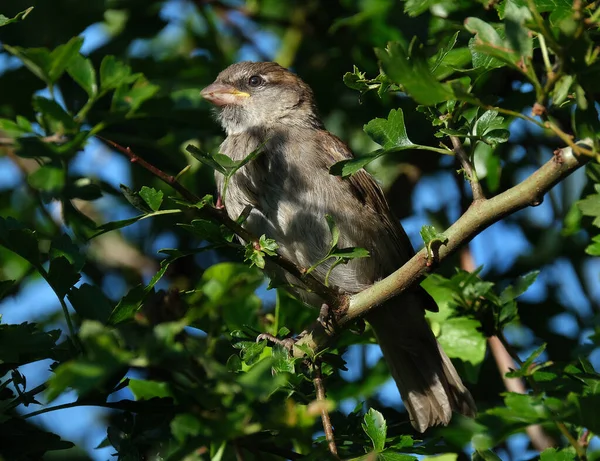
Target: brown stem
539,439
320,390
468,168
220,215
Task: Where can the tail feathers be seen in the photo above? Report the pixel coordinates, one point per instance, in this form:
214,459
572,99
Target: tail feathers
430,387
428,382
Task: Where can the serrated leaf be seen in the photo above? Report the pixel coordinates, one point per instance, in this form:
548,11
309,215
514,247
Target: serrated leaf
593,248
82,71
390,133
90,303
114,73
520,286
414,75
375,427
130,99
152,197
590,206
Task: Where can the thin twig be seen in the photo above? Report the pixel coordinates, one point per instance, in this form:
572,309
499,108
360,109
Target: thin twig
220,215
325,419
468,168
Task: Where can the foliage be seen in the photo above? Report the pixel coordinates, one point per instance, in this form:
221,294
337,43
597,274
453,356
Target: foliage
164,338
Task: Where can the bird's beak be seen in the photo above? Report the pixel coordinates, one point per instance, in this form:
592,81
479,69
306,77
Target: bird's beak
221,94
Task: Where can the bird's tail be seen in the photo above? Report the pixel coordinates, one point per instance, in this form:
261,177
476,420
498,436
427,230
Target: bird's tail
428,382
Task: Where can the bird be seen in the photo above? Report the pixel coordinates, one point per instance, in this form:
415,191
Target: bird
289,191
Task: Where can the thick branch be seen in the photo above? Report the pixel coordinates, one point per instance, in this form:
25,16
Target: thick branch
479,216
468,168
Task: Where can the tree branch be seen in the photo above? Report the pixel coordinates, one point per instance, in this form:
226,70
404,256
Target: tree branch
320,390
478,217
468,168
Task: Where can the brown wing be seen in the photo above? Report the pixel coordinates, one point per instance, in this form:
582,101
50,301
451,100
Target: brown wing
367,191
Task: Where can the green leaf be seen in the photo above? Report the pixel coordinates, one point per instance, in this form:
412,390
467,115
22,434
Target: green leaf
113,225
114,73
61,57
590,206
62,275
130,99
20,240
593,249
37,60
527,368
48,178
12,129
90,303
414,75
518,37
521,285
205,158
134,198
152,197
333,229
127,306
552,454
58,120
18,17
147,389
488,42
25,343
390,133
460,337
82,71
375,427
184,426
485,455
561,90
432,238
350,253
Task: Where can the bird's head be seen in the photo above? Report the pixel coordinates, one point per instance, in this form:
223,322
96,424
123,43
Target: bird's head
251,95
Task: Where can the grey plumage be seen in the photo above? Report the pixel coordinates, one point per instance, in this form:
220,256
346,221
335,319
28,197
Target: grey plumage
290,191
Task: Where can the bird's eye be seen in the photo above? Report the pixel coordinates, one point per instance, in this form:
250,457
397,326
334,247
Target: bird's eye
255,80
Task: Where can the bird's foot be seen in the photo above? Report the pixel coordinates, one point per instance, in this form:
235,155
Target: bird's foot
286,343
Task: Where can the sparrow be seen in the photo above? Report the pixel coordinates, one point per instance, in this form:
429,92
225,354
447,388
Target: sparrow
289,190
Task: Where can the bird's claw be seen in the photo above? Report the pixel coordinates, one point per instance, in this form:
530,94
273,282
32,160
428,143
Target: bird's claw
287,343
